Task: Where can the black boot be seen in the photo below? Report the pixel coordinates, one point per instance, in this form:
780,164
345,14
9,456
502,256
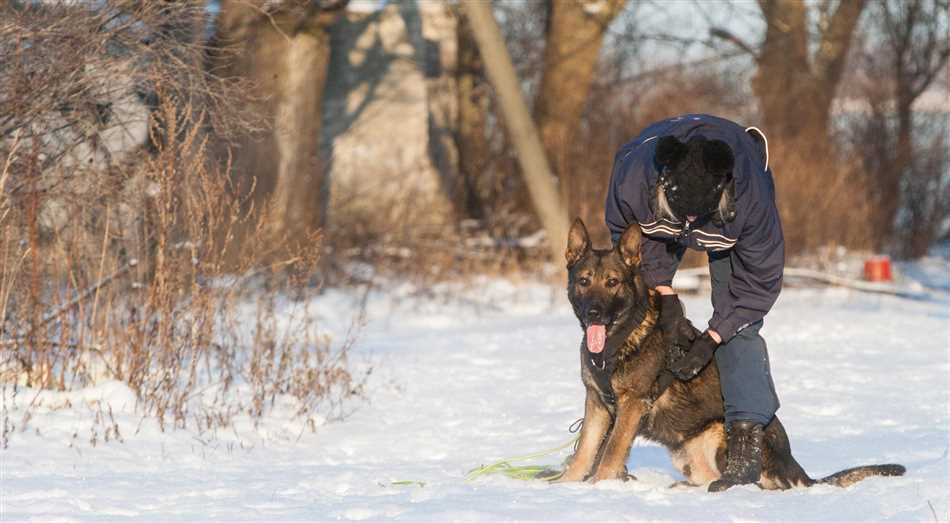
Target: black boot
743,455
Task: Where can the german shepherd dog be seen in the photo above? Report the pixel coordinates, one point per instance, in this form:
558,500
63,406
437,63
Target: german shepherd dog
610,299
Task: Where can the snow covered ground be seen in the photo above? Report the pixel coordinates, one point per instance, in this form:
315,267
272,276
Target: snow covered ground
862,378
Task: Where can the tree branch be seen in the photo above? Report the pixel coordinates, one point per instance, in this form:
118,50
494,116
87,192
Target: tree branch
836,40
929,76
724,34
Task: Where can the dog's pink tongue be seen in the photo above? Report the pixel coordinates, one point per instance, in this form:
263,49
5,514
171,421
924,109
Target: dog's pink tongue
596,336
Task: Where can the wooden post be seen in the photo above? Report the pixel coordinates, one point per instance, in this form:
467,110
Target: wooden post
534,165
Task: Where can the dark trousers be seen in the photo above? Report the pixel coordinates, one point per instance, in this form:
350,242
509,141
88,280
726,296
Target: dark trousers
748,392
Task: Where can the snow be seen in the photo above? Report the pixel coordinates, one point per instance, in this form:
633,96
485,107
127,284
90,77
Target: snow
460,383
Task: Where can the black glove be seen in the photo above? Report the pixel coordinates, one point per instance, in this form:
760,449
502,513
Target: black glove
677,332
696,359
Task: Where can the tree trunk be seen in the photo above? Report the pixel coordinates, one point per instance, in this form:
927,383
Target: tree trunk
284,51
831,57
782,78
794,90
575,34
534,164
471,139
297,200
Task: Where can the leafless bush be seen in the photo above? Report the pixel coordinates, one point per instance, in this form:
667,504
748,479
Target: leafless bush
424,256
922,198
118,260
900,136
822,198
927,190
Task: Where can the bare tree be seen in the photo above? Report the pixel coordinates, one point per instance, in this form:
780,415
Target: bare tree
575,34
906,154
795,86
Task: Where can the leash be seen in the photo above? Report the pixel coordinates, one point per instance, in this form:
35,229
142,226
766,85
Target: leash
529,472
525,472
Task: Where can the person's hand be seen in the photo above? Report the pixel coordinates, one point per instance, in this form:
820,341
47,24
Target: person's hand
699,355
678,334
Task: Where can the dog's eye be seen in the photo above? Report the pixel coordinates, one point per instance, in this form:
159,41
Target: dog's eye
613,282
583,282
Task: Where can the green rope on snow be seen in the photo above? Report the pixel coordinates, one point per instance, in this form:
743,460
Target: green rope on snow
526,472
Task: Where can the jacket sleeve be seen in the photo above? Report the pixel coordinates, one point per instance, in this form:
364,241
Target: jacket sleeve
758,260
628,204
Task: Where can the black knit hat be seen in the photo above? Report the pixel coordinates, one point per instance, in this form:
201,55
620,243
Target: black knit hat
693,174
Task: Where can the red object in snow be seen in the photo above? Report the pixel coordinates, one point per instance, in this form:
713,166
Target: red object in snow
878,268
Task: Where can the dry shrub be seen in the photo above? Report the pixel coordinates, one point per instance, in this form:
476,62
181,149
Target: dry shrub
926,190
911,195
822,198
119,261
425,256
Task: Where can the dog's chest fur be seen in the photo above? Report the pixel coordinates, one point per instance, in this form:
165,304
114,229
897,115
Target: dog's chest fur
682,411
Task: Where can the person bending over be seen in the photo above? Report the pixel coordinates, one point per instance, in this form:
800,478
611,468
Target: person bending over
702,182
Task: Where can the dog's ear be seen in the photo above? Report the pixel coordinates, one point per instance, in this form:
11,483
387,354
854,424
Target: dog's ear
718,157
629,246
578,242
669,151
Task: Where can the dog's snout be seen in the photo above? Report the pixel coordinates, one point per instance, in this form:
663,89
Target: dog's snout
595,315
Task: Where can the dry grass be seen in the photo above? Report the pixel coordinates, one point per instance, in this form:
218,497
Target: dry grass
822,198
120,262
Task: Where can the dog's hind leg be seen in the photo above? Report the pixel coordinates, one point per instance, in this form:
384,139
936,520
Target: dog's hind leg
596,425
697,457
780,470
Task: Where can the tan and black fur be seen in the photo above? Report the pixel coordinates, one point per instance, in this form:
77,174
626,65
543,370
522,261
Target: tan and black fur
687,418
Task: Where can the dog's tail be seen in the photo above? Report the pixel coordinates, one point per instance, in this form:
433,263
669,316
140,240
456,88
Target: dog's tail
788,473
848,477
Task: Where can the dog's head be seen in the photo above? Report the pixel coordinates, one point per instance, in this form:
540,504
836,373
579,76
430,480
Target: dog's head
604,286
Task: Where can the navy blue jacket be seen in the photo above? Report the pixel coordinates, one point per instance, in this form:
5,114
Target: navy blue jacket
753,239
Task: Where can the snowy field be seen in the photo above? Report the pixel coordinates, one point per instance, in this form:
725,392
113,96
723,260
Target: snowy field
862,378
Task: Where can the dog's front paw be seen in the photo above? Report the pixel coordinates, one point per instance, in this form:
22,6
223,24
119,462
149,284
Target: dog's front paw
569,475
603,474
682,484
607,473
